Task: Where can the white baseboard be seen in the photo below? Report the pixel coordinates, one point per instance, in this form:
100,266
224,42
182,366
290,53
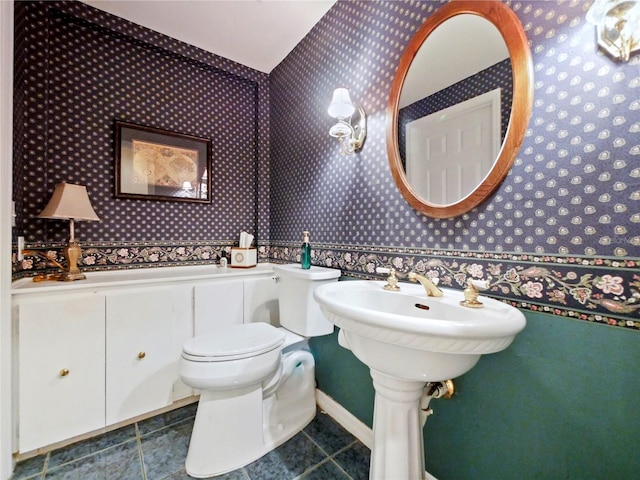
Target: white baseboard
350,423
345,418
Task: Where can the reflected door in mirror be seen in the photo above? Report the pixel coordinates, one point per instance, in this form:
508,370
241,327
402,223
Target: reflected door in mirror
450,152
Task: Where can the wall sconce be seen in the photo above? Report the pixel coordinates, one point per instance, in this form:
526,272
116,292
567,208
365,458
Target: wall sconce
617,25
70,202
351,128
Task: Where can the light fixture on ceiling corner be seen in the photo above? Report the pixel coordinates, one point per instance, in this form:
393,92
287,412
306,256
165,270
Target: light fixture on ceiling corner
70,202
617,26
351,128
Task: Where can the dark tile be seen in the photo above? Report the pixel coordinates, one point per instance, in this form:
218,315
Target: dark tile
168,418
355,461
29,468
165,451
115,455
239,474
88,447
326,471
116,463
287,461
235,475
328,433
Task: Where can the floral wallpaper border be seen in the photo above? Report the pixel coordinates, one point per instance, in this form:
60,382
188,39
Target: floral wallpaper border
42,258
601,290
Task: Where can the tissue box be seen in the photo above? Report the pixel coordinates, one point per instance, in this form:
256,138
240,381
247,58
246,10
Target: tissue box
244,257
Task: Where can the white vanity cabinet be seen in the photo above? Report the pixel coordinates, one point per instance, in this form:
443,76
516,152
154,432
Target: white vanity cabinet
90,360
260,300
217,304
100,352
140,362
235,302
61,379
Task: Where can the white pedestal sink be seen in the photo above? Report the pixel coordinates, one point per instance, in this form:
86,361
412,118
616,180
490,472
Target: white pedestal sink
408,339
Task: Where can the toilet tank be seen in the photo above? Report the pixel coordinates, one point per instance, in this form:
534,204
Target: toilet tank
299,312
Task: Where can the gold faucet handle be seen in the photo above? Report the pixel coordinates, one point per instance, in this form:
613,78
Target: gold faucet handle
392,279
472,291
478,285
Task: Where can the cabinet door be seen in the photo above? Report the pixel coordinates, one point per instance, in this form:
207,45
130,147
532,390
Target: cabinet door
217,304
141,365
182,331
261,301
60,369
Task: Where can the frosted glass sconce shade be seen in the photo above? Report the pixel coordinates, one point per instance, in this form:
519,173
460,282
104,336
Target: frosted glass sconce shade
341,105
352,122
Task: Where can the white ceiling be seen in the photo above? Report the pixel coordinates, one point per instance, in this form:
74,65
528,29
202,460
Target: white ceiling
255,33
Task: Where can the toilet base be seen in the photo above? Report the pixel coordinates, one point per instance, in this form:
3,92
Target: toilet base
234,428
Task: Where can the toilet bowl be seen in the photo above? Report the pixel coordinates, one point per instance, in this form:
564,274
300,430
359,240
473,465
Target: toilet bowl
256,380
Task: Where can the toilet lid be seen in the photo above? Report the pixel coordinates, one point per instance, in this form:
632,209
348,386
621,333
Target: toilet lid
234,341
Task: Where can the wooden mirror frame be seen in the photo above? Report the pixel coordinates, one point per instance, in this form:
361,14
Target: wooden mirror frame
509,26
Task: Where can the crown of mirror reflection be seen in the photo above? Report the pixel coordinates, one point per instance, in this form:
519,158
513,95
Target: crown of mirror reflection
617,26
70,202
351,128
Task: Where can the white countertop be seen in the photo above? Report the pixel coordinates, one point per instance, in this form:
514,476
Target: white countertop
137,276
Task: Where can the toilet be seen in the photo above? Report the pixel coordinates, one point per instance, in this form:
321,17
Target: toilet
256,380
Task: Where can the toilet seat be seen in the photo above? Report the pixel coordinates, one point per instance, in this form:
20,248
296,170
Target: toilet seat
233,342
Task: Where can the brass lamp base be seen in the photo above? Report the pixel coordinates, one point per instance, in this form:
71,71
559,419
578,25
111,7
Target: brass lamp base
72,254
70,277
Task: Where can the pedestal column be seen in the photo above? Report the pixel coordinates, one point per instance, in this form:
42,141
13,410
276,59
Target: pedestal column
398,451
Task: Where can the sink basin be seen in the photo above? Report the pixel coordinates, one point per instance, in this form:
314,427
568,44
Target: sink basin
409,335
411,344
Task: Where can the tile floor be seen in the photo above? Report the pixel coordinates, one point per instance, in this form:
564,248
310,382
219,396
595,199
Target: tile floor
155,449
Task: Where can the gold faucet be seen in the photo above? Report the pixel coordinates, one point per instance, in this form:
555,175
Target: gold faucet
429,287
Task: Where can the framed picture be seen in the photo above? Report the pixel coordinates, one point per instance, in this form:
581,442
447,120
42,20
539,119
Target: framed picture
156,164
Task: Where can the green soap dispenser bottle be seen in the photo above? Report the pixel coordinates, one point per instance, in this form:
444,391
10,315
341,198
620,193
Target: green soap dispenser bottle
305,253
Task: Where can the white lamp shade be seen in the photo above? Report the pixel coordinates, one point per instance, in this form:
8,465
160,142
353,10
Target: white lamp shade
341,105
70,201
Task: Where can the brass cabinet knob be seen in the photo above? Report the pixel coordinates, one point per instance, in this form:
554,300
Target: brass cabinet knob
141,355
64,372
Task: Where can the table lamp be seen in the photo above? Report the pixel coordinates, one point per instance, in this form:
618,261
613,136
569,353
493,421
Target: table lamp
70,202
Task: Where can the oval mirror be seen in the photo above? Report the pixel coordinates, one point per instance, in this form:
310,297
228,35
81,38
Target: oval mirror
459,106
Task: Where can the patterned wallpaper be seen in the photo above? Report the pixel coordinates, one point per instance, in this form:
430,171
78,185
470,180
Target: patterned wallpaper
560,234
80,69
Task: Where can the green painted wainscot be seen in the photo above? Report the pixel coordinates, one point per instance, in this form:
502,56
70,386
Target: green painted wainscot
562,402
